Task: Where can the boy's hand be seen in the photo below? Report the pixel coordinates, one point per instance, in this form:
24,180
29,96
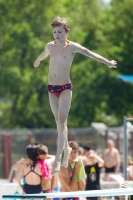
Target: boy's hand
77,166
27,161
36,63
112,64
92,155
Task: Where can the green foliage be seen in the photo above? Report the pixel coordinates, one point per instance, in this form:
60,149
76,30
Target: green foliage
98,95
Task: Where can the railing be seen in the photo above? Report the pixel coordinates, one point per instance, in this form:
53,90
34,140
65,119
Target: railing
93,193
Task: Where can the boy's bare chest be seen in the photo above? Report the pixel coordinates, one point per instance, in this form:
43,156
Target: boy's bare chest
60,53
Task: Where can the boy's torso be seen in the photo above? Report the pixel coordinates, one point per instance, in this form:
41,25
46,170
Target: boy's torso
46,184
60,63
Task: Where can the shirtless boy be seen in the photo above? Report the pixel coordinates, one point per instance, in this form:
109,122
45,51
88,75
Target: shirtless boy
45,162
61,52
111,159
68,176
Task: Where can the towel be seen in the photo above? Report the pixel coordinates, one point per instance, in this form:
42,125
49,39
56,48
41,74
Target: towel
44,168
81,174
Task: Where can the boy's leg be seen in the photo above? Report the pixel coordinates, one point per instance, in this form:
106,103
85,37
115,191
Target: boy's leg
54,104
61,106
64,107
67,150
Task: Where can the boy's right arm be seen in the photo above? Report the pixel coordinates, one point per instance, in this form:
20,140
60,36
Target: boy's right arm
42,56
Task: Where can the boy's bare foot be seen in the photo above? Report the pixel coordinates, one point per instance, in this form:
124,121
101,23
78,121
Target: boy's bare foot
67,152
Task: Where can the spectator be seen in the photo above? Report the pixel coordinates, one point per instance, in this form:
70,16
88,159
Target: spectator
130,169
31,172
111,159
82,156
86,148
45,163
92,169
72,178
127,184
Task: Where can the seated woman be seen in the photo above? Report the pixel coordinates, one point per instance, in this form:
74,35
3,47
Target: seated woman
31,173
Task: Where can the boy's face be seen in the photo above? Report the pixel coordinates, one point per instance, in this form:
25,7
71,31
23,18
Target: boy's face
42,156
59,33
73,155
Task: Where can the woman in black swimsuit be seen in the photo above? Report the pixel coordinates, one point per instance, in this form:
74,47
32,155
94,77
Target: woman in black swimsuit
31,173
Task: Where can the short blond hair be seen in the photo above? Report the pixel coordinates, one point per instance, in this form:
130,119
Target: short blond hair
74,145
60,21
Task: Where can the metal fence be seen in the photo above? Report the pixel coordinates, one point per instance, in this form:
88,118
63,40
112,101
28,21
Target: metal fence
14,142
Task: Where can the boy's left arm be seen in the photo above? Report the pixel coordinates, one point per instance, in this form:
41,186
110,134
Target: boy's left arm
80,49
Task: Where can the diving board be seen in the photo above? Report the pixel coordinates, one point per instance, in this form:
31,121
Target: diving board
92,193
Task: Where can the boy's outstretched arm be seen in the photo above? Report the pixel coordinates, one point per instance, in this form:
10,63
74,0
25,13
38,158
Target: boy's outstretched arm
42,56
86,52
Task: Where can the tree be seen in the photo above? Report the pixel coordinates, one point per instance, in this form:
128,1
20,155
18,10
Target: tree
97,93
